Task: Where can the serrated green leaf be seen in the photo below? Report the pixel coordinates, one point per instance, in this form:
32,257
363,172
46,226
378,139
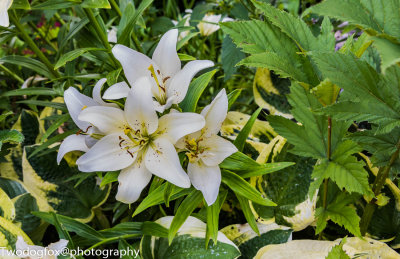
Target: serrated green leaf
326,92
230,56
196,88
337,251
388,51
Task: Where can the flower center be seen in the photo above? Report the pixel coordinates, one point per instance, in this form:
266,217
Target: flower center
161,97
136,142
193,149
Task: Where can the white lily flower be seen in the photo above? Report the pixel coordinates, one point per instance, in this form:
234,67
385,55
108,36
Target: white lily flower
138,142
206,150
169,82
39,252
112,34
4,6
76,102
209,24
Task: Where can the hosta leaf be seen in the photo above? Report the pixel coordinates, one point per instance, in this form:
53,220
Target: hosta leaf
9,233
244,133
7,209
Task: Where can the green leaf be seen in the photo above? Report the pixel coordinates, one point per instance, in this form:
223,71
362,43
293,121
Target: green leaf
77,27
112,77
248,214
30,63
185,57
388,51
239,162
13,136
370,16
20,4
337,251
212,221
96,4
196,88
4,115
55,4
185,209
154,229
51,141
71,225
326,39
109,177
294,27
126,32
54,126
266,169
30,91
157,197
243,188
59,106
232,97
326,92
341,213
74,54
230,56
244,133
168,192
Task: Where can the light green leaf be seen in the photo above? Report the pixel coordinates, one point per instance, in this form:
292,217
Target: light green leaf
326,92
388,51
248,214
232,97
30,63
109,177
244,133
30,91
55,4
20,4
212,221
13,136
96,4
74,54
54,126
337,251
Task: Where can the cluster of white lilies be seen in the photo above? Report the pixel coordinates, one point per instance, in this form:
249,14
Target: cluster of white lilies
145,137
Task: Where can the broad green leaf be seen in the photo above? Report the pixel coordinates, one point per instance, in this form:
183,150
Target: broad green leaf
55,4
24,205
388,51
157,197
374,17
326,92
96,4
74,54
27,62
7,209
196,88
239,162
185,209
341,213
243,188
337,251
292,26
230,56
326,39
20,4
9,233
244,133
249,242
71,225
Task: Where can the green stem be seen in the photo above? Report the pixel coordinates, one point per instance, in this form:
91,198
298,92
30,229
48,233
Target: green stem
33,46
380,180
115,7
101,33
43,36
19,79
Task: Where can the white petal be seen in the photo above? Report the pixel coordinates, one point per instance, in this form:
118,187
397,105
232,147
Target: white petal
117,91
176,125
72,143
105,155
215,113
180,82
21,244
163,161
139,107
217,150
58,246
112,34
161,108
165,55
75,102
135,64
90,141
4,21
107,119
206,179
97,94
132,181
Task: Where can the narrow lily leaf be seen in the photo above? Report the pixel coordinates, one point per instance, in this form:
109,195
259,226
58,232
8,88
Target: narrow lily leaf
196,88
168,192
185,209
232,97
71,225
248,214
72,55
73,31
212,221
55,4
51,141
241,187
239,162
154,229
112,77
20,4
30,91
30,63
59,106
266,169
157,197
185,57
244,133
54,126
96,4
110,177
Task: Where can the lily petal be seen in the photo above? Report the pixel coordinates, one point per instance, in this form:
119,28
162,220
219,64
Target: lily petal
162,160
75,102
117,91
72,143
215,113
132,181
165,54
135,64
4,5
58,246
180,82
97,91
139,107
206,179
107,119
106,155
217,150
177,125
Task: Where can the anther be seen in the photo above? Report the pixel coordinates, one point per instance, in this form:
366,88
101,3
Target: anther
129,152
